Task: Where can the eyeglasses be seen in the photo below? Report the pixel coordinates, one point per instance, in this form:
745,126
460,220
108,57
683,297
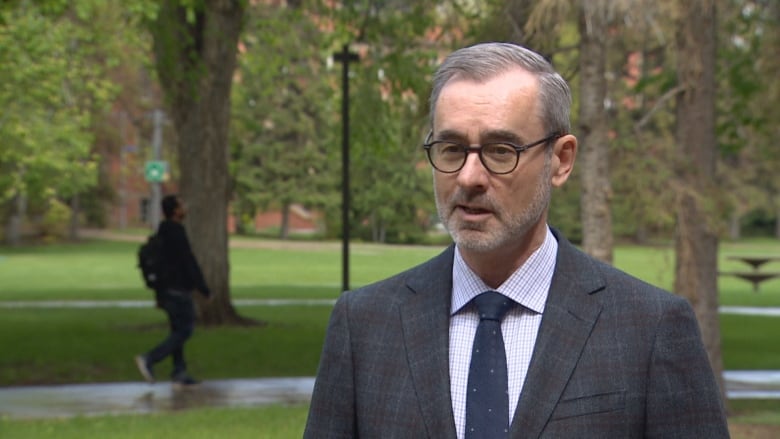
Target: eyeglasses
497,157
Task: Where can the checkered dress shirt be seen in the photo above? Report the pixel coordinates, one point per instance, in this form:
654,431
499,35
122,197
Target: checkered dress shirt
528,286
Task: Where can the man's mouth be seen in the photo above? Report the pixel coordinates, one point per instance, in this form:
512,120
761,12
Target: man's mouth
472,210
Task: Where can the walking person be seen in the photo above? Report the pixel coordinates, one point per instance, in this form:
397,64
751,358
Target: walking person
182,277
511,332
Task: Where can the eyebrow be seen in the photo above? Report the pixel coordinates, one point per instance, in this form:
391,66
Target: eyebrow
491,136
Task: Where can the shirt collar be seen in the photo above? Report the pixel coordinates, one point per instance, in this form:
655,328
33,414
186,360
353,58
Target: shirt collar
528,285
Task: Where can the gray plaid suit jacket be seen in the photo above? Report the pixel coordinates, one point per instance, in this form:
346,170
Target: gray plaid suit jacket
615,358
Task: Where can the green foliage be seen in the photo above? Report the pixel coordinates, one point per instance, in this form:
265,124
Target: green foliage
56,56
564,212
392,199
759,222
282,111
54,223
286,132
741,77
747,117
52,85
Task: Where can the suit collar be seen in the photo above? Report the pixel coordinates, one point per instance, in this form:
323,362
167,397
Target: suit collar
566,325
569,317
425,323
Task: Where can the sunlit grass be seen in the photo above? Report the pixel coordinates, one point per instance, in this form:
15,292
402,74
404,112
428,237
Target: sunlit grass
268,422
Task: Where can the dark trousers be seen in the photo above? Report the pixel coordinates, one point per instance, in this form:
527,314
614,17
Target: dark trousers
181,315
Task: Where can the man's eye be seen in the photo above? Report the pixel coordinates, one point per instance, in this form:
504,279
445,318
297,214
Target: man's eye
450,148
498,150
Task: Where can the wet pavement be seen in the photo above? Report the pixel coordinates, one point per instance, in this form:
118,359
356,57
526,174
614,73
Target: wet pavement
752,384
129,397
150,303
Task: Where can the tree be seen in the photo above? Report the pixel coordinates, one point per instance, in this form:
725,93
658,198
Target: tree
195,45
593,131
52,61
696,240
388,110
772,70
283,110
593,18
747,121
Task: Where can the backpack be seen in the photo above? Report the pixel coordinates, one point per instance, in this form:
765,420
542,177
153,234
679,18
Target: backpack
151,262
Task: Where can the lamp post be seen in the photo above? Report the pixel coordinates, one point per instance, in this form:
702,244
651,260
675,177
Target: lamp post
345,57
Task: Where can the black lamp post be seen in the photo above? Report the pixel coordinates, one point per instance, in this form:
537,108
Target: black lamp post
345,57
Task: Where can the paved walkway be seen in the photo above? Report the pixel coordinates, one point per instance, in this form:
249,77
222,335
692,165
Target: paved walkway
150,303
138,397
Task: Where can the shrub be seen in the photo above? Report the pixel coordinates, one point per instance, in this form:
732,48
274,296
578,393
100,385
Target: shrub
54,223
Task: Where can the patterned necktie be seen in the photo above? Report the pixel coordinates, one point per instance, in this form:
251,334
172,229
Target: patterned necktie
487,401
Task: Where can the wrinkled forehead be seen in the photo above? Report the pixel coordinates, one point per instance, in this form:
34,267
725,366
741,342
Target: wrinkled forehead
504,100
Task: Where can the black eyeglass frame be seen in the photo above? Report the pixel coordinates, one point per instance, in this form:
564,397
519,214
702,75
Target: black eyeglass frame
478,149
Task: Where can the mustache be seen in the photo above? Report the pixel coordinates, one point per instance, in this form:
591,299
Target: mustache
476,200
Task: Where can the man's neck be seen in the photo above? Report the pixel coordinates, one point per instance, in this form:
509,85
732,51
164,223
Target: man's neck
495,267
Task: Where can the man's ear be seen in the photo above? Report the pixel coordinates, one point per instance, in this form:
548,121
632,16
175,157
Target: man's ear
564,154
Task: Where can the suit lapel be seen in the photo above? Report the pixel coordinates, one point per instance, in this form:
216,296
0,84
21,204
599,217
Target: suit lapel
569,317
425,322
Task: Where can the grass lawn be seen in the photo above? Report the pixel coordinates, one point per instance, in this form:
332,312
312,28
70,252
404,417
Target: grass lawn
269,422
69,345
72,345
100,270
751,420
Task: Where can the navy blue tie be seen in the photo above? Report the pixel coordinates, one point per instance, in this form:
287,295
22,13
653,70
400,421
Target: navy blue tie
487,401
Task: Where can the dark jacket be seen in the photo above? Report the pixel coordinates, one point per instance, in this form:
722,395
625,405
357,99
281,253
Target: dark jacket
182,269
614,358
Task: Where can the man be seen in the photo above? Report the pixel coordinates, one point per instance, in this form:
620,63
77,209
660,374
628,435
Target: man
181,276
590,351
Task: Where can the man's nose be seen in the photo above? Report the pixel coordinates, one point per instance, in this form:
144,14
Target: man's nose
473,173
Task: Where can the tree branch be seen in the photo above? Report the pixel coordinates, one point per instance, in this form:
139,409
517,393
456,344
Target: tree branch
666,96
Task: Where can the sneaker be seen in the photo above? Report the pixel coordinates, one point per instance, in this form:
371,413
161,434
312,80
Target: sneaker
185,382
144,368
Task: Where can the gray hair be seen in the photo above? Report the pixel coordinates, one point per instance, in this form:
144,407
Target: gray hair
482,62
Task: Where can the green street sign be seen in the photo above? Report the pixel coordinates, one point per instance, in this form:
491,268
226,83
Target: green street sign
156,171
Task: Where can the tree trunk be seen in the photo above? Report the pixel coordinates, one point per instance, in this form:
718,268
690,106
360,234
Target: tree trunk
13,230
777,222
696,242
777,217
517,12
641,234
594,147
735,225
195,60
75,213
284,229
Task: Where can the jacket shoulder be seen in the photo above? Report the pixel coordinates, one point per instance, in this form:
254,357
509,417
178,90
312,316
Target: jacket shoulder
604,281
420,279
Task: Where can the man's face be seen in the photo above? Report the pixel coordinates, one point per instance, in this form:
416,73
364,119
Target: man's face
483,211
181,210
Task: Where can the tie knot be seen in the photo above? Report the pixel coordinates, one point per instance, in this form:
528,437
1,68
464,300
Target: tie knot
492,305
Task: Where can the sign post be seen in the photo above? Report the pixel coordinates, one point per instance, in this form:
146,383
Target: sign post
156,171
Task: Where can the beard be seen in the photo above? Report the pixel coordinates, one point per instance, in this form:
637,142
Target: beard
512,225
